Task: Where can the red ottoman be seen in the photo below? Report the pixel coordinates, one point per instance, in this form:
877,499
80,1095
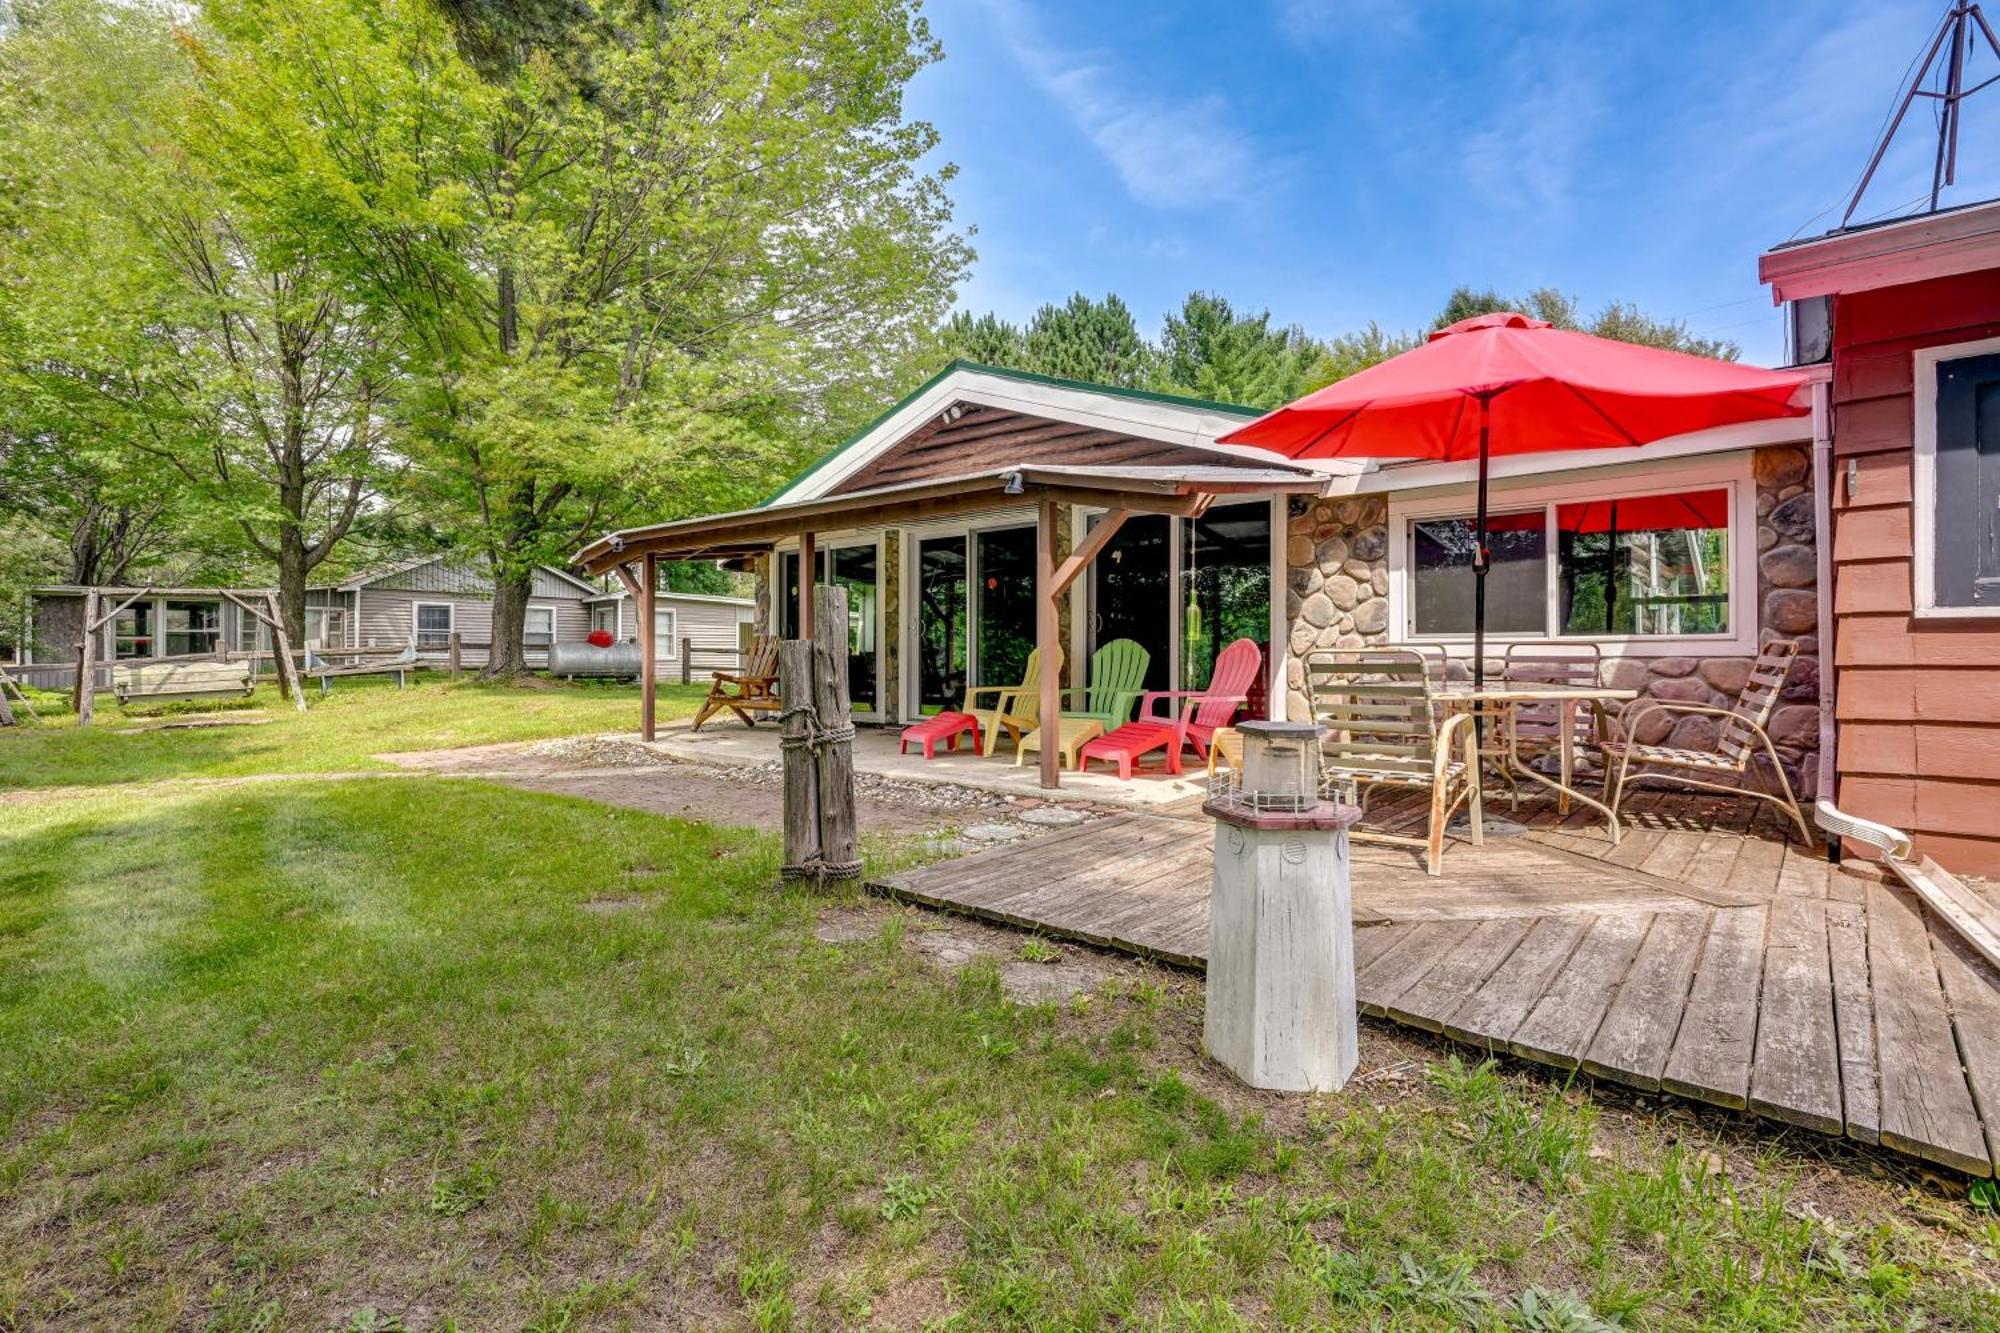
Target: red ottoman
1126,743
946,727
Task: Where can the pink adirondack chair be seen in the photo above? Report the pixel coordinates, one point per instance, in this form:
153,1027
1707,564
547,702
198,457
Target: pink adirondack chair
1205,711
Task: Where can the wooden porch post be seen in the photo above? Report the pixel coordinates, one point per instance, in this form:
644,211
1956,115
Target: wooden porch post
649,576
86,665
808,562
1048,638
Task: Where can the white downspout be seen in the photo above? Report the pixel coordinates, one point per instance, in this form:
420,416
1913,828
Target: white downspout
1892,842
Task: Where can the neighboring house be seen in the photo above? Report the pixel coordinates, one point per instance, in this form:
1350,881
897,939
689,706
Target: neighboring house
927,517
428,599
164,622
701,629
1907,313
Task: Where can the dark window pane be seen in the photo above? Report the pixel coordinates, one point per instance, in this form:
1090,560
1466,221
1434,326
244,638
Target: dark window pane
1130,597
192,627
941,626
1648,565
1005,602
1966,516
1441,575
854,569
1225,586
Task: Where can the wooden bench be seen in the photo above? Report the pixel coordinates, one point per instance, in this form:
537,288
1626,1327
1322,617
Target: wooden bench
171,682
360,662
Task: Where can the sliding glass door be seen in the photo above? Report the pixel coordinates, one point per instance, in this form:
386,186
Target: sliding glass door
1003,598
857,568
941,622
1225,585
1129,597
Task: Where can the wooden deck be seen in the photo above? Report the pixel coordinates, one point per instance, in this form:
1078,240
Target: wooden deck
1695,958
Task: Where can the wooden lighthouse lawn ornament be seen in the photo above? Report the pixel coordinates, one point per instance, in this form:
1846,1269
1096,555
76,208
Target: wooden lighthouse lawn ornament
1281,1007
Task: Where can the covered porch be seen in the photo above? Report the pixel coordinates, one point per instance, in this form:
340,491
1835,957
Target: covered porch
953,581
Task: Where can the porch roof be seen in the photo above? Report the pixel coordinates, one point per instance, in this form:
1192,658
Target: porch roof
1139,489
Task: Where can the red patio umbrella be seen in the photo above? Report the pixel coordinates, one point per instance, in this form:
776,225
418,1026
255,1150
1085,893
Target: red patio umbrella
1508,384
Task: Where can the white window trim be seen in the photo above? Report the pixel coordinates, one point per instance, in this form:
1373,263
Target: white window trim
553,619
451,615
671,651
1923,480
1731,472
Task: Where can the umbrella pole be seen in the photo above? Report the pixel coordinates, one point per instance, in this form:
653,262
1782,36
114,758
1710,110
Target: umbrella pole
1479,563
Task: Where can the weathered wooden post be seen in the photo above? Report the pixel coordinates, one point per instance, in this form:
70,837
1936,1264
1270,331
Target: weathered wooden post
817,743
85,699
839,843
454,654
1281,1005
687,660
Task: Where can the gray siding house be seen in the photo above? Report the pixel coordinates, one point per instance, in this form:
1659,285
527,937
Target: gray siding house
427,600
706,627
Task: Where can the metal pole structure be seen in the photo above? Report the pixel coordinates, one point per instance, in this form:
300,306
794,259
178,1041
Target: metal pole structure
1956,28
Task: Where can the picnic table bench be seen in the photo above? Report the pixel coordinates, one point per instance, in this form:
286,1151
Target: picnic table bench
171,682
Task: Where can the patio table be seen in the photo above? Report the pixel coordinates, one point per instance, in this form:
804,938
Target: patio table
1498,699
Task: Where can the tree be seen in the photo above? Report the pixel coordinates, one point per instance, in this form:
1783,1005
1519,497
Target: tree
1094,341
172,309
987,339
1209,351
632,254
1618,320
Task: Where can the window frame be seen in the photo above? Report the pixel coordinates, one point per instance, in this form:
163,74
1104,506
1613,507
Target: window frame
1730,472
1923,480
823,547
532,609
417,630
666,647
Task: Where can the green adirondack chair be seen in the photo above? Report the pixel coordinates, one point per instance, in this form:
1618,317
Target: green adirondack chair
1117,679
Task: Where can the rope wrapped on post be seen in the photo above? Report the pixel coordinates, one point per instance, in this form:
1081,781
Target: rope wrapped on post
815,738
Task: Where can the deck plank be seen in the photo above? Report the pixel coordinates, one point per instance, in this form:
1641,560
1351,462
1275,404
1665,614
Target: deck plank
1711,1053
1444,987
1638,1031
1562,1023
1489,1014
1406,961
1854,1020
1927,1108
1795,1074
1974,990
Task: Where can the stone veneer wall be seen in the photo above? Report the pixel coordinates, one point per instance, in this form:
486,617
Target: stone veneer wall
1336,596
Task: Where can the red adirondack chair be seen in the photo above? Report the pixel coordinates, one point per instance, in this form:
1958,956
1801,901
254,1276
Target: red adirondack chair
1207,710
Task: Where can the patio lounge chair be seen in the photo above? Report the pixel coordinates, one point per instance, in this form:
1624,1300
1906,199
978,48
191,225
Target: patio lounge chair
1117,679
1206,710
1738,742
1382,730
748,692
1015,709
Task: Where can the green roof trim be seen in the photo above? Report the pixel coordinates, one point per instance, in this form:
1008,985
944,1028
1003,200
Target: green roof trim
1026,376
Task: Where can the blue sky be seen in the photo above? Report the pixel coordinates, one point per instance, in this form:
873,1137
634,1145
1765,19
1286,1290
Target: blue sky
1344,160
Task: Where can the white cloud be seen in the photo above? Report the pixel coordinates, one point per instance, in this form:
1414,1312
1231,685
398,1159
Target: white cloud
1308,22
1526,154
1168,154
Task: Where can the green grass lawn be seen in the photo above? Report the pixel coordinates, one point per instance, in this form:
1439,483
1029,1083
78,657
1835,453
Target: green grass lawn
363,716
367,1055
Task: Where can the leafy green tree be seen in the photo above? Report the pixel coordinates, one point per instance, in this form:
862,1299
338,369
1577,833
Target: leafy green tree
630,255
1340,357
1094,341
986,339
163,303
1209,351
1619,320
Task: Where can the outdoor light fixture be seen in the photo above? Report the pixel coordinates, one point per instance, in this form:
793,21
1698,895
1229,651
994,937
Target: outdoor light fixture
1013,485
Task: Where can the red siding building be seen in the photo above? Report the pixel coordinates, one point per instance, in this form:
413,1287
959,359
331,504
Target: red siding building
1911,444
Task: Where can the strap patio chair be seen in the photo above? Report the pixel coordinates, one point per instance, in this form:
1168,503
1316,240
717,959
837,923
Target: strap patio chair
1203,711
1538,726
748,692
1381,729
1016,709
1740,739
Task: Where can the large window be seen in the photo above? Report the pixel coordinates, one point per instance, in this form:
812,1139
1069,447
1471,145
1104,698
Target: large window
1957,475
539,629
941,623
666,632
192,627
132,631
1589,562
1003,603
433,625
1225,585
857,569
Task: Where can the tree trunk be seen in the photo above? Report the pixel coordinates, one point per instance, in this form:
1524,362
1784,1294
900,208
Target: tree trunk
292,571
511,588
